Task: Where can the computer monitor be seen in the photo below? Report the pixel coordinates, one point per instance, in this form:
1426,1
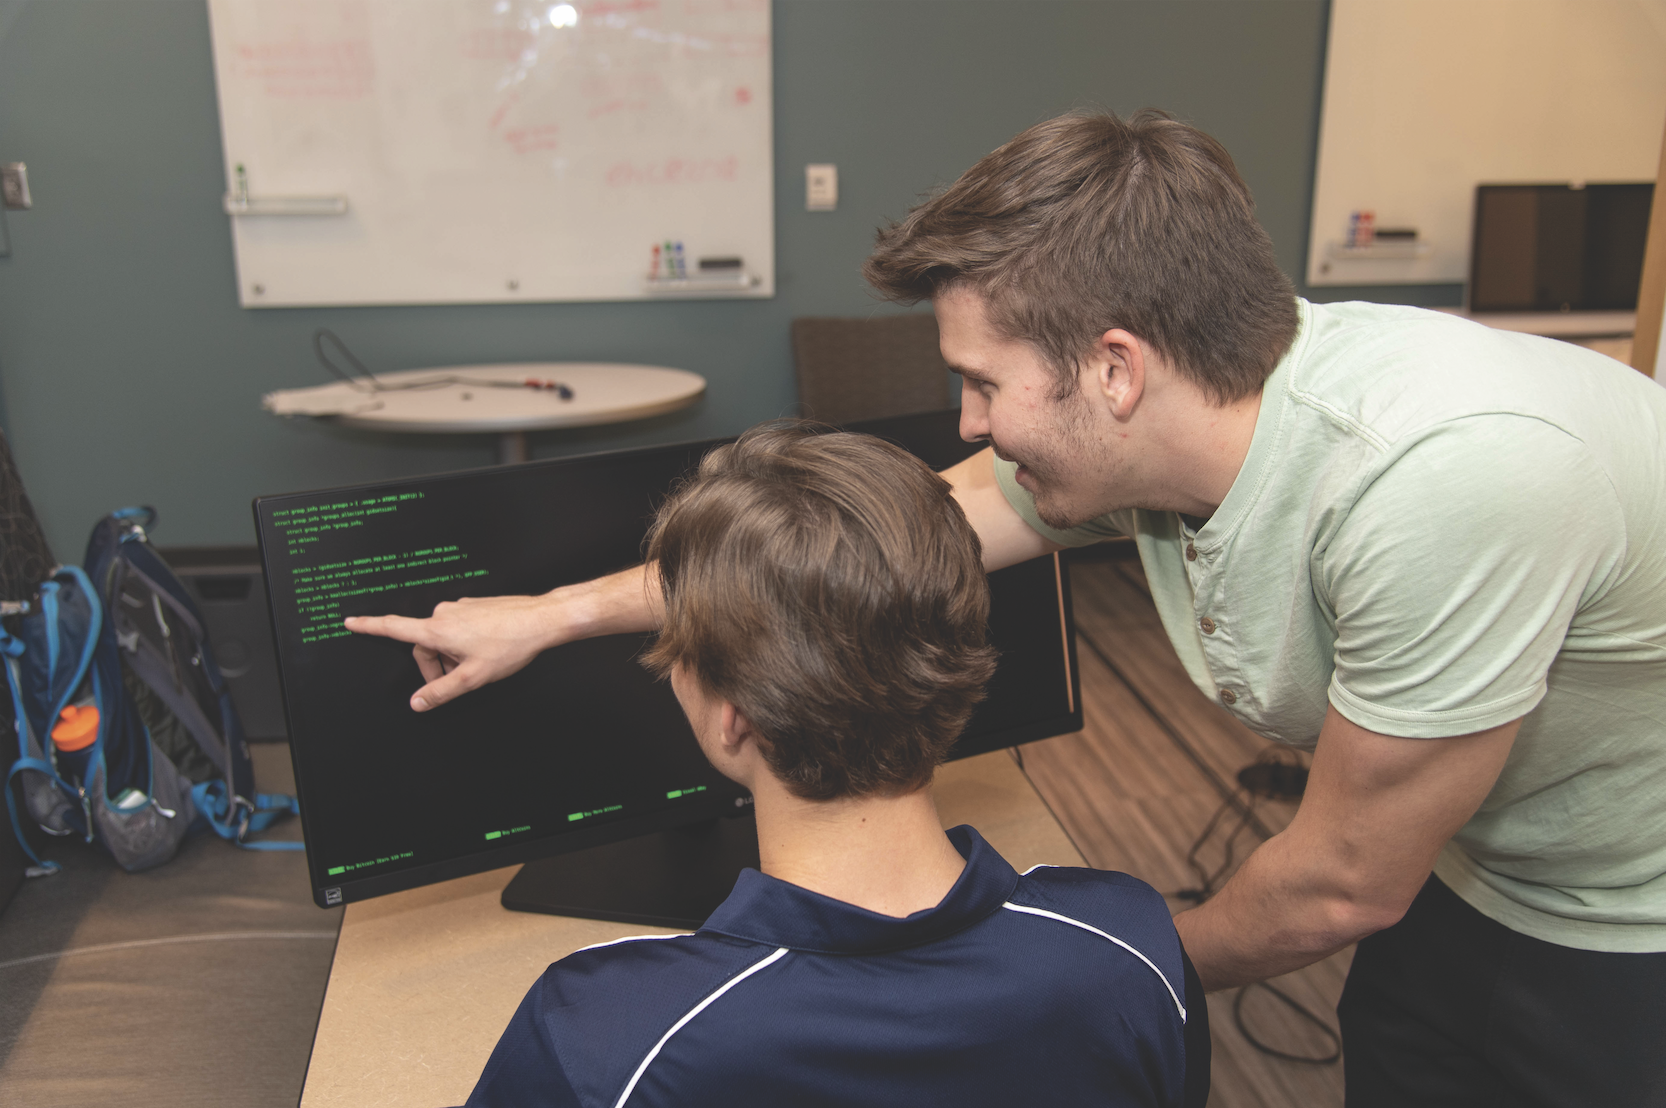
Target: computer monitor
583,755
1550,248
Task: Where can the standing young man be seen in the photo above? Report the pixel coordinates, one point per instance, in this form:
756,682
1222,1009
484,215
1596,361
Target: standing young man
1428,551
824,631
1432,553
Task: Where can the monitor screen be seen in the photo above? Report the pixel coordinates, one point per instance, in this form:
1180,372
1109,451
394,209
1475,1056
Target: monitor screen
1550,248
581,748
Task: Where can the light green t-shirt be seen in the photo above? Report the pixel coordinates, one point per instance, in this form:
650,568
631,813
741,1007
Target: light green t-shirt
1440,528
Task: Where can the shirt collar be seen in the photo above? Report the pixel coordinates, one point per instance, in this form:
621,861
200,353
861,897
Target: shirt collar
767,910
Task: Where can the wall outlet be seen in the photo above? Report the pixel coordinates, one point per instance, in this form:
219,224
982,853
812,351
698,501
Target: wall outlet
821,187
14,186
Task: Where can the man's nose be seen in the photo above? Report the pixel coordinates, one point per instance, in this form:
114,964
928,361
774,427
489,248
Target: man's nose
974,414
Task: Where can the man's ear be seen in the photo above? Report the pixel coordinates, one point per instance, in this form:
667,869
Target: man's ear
1118,363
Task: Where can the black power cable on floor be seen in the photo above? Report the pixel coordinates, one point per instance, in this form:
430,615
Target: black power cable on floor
1276,774
1301,1010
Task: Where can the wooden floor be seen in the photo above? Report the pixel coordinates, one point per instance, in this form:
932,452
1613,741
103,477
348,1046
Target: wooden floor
1134,788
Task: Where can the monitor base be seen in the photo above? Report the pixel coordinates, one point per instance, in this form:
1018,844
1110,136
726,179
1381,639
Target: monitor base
673,878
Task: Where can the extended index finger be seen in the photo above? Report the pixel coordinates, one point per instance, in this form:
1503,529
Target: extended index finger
402,628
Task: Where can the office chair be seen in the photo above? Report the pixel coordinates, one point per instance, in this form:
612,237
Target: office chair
853,369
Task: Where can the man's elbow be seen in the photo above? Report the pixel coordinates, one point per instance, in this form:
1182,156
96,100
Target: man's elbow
1354,913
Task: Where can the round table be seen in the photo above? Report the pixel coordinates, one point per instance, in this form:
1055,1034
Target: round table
495,398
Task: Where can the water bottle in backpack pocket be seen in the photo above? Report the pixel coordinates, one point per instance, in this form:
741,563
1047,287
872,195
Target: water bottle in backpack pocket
120,652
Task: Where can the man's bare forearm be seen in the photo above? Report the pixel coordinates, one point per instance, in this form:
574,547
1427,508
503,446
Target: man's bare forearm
1006,538
621,603
1274,916
1376,813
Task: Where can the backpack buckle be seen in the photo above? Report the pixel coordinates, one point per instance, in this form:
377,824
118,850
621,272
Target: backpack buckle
241,820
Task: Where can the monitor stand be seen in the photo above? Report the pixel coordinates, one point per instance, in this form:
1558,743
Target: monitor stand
671,878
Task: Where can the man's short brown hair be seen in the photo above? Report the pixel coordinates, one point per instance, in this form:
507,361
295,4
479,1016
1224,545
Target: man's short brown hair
1089,222
828,585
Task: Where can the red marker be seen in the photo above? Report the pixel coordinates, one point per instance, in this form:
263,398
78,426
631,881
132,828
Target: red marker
563,391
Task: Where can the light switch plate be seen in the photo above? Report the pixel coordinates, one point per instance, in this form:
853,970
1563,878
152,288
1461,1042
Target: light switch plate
14,186
821,187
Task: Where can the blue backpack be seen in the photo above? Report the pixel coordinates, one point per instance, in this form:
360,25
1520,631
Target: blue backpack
170,757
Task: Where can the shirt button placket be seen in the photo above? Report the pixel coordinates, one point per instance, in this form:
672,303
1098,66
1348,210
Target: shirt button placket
1208,626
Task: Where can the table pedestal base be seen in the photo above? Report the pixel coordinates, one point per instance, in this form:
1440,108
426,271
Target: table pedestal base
511,448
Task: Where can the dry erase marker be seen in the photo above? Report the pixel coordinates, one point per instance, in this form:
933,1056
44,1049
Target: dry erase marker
681,270
670,264
653,268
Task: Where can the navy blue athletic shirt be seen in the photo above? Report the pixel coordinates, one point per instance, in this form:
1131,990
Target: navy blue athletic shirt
1058,987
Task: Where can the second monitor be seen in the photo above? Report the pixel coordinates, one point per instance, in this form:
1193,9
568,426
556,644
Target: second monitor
1558,248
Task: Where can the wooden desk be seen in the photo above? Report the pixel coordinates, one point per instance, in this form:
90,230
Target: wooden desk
425,981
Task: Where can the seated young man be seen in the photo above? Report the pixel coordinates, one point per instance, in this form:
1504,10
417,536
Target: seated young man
824,630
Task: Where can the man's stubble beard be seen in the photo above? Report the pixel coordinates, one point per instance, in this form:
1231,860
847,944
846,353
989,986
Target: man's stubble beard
1077,454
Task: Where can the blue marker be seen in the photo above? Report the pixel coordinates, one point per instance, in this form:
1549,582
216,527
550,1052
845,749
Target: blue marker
682,271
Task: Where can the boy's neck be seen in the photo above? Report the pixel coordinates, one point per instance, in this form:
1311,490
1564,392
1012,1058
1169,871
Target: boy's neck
887,854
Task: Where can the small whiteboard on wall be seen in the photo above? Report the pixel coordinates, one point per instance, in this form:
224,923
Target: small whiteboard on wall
1425,99
496,150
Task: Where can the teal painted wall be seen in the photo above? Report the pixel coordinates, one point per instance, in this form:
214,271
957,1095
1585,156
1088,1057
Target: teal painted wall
128,373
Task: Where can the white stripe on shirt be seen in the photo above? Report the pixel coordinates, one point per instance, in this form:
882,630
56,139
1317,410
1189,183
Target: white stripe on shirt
631,939
630,1087
1044,913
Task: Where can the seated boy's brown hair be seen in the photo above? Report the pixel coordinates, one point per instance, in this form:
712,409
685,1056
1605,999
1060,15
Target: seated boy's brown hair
828,585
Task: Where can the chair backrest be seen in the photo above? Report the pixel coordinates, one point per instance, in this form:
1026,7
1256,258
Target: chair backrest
853,369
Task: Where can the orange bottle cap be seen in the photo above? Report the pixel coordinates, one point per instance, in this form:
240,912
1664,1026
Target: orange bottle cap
76,729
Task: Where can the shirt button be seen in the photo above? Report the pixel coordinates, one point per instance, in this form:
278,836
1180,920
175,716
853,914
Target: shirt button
1191,553
1207,624
1228,697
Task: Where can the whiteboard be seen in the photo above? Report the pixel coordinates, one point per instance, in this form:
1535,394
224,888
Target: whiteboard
1425,99
495,150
